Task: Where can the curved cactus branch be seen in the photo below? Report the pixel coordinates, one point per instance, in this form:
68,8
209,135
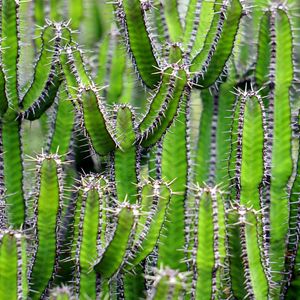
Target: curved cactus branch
208,65
130,15
113,255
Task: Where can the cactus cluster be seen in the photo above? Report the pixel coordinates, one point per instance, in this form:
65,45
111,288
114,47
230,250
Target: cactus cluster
149,149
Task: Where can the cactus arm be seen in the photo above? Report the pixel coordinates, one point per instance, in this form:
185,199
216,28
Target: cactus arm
172,240
209,248
47,210
61,128
3,99
256,279
293,289
146,204
225,103
70,74
263,51
128,91
45,100
131,19
79,64
45,67
279,127
250,171
250,149
117,72
146,240
89,238
173,20
160,21
95,123
13,172
10,49
209,69
237,273
190,28
234,140
112,257
196,30
211,35
164,89
73,66
125,156
203,249
170,109
13,284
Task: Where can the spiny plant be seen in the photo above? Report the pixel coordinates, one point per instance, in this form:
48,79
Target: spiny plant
169,153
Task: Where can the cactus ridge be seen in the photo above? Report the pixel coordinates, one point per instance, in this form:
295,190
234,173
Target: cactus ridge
39,87
10,49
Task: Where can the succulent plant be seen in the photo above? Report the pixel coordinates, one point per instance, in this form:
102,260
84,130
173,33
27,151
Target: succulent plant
169,149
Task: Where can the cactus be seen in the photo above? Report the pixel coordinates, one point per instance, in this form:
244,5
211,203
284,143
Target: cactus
169,165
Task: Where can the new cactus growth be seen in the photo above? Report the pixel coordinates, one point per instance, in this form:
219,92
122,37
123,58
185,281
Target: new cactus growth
169,165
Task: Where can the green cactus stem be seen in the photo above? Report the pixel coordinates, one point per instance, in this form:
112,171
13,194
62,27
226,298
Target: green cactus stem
46,225
210,62
130,15
13,275
173,239
94,120
113,254
279,131
90,233
126,155
209,245
256,279
154,204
